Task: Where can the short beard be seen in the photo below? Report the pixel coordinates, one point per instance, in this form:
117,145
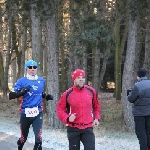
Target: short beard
79,86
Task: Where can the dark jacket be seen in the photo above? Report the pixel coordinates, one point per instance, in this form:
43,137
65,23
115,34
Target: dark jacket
140,97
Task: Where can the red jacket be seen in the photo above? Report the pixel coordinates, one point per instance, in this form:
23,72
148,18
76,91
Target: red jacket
84,102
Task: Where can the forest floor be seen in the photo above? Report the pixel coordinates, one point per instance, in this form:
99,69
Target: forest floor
111,112
110,134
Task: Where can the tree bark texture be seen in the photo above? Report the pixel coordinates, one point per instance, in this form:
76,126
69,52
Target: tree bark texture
96,67
128,74
117,54
52,67
1,72
1,53
5,86
147,42
36,29
103,69
23,49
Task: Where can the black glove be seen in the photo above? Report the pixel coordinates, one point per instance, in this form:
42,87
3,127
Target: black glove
25,90
43,95
128,91
13,95
49,97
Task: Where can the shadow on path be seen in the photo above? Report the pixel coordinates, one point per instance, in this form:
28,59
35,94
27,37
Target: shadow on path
9,142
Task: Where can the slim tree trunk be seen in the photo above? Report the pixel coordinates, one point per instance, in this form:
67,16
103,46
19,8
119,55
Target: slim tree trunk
62,39
1,52
36,29
52,64
72,61
8,47
96,67
1,72
14,71
85,62
117,54
103,69
24,47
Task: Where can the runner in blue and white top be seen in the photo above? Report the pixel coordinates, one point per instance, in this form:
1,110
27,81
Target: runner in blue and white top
29,90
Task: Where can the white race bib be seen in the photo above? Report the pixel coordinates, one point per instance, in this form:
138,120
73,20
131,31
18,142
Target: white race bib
31,112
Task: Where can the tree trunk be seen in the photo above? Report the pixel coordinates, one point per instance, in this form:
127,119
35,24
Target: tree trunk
36,29
117,54
103,69
96,67
72,61
71,67
147,42
1,52
14,50
52,64
1,72
139,44
63,71
24,47
5,86
127,79
13,72
85,63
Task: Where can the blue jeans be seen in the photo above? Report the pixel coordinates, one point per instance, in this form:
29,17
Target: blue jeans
142,130
86,136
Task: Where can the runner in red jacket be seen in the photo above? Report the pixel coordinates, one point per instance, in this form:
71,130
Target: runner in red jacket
79,109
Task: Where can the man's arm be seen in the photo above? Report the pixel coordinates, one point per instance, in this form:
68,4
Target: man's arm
61,109
13,94
96,107
133,95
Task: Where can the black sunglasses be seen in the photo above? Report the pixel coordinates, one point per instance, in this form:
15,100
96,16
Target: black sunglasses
30,67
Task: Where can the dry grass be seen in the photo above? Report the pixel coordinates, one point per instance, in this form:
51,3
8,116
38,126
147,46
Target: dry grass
9,109
111,112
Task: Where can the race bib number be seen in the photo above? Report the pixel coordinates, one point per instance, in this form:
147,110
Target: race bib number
31,112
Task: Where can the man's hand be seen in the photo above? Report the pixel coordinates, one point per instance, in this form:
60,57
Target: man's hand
13,95
72,117
49,97
128,91
95,122
25,90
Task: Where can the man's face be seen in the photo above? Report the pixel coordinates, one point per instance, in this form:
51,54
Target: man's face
138,78
79,81
32,70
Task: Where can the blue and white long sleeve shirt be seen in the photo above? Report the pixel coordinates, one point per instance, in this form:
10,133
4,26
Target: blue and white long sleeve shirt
33,98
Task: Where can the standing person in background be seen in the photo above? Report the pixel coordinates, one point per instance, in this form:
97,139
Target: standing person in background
79,109
29,90
140,97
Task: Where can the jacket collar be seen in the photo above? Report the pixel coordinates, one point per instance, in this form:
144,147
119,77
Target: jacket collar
143,78
78,89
